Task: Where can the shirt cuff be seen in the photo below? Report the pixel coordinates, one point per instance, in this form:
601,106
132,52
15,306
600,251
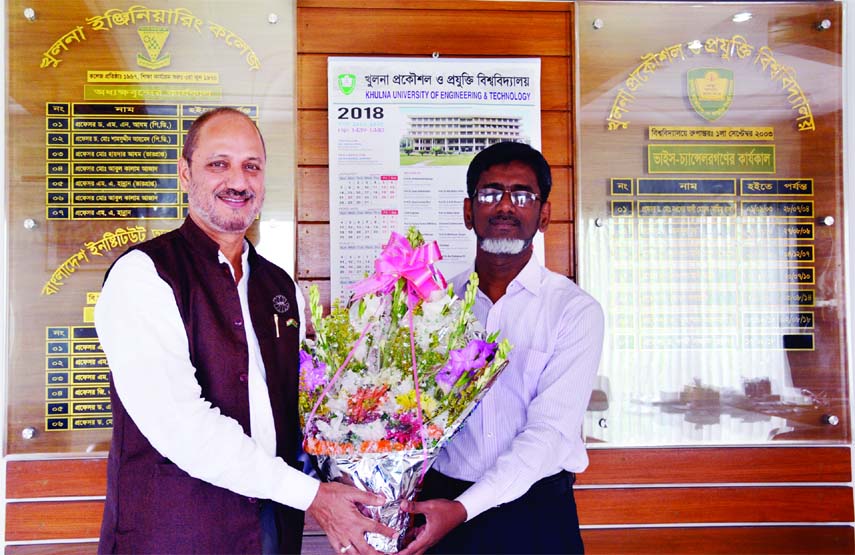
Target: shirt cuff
294,488
475,500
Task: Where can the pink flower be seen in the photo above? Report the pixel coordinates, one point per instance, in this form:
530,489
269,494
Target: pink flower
403,428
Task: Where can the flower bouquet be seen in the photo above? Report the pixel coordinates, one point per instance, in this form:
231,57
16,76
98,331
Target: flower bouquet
389,378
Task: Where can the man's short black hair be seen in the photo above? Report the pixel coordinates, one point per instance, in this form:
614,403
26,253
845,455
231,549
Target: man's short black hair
505,153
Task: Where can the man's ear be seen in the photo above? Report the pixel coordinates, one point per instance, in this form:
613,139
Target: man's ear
184,174
467,213
545,215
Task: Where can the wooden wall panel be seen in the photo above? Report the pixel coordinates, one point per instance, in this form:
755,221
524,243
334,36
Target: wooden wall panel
53,520
56,478
718,465
323,288
87,477
81,548
600,503
652,505
561,196
465,5
556,143
313,254
420,32
312,138
312,82
313,194
808,540
559,248
555,83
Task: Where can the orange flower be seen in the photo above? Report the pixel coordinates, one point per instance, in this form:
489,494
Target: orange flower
364,402
314,446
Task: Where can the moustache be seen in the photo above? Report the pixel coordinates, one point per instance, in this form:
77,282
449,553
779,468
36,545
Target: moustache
235,194
504,219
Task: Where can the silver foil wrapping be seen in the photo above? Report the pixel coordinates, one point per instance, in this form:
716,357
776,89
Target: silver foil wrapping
394,475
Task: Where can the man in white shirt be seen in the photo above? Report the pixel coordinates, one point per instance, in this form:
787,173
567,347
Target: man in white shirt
504,483
202,337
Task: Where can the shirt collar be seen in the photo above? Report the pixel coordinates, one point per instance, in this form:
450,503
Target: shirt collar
244,255
200,242
529,276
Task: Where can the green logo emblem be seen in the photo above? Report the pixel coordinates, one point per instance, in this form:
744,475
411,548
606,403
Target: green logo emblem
153,39
347,83
710,91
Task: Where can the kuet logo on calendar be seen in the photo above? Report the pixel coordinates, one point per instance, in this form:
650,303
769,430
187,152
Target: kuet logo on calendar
347,83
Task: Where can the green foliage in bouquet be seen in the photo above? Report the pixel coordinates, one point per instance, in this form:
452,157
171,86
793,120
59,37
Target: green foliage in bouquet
357,392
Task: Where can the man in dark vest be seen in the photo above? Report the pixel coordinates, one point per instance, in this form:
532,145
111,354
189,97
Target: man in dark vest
202,336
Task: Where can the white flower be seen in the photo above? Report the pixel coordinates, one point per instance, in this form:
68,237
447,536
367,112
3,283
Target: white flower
361,352
349,382
432,323
337,405
475,329
402,388
433,309
372,431
441,420
334,430
372,311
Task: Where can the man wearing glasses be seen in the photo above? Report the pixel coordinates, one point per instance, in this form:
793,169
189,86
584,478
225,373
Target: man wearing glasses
504,484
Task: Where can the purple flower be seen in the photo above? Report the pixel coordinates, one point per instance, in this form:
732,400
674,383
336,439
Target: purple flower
468,359
312,373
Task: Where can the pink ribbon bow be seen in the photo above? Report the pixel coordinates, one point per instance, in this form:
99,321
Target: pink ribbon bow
400,260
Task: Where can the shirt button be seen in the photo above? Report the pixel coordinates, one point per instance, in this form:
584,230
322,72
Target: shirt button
243,377
252,500
490,435
238,323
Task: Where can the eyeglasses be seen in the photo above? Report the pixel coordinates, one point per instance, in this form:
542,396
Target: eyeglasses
520,199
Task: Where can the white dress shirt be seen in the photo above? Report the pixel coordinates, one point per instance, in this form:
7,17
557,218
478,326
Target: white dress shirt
141,331
529,425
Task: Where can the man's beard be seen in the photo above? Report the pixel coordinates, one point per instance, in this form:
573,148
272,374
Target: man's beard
503,246
204,203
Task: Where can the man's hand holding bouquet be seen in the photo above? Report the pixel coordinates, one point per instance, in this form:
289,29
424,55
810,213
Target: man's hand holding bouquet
391,377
